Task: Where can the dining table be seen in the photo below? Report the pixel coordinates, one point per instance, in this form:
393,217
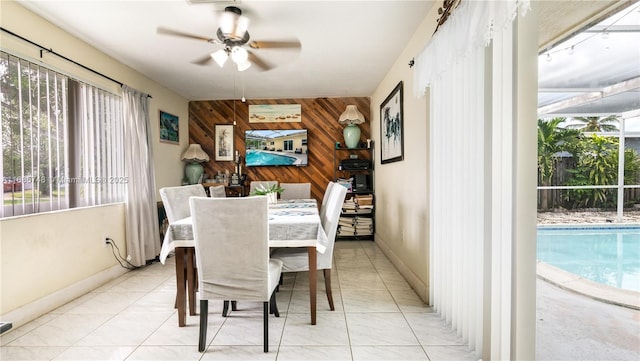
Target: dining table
292,223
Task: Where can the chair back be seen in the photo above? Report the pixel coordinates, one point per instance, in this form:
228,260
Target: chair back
330,221
295,191
325,198
232,249
176,200
218,191
265,184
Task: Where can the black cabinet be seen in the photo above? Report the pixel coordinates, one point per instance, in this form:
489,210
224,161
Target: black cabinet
353,168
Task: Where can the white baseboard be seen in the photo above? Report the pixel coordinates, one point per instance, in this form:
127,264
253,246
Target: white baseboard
414,281
33,310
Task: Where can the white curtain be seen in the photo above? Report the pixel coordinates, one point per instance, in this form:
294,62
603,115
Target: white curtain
143,236
473,25
464,165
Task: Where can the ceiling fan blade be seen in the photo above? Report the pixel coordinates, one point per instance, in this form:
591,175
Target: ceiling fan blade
205,60
275,44
258,62
167,31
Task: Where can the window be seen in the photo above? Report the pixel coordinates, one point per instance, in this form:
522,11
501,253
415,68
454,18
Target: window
61,141
288,145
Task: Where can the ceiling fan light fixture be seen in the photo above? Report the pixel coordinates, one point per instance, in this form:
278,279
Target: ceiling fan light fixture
226,22
220,57
233,24
239,54
242,25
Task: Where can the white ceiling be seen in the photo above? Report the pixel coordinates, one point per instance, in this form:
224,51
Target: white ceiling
347,46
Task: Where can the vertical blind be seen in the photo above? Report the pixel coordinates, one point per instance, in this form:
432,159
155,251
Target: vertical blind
97,170
471,171
33,115
457,180
62,141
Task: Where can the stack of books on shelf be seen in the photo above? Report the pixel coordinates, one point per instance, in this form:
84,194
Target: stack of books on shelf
364,203
349,207
350,224
358,205
355,226
347,183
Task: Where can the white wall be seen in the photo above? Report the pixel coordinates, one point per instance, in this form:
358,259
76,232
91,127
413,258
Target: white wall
45,253
401,188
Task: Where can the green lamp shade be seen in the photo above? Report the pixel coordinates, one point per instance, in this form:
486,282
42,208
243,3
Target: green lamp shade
351,135
193,171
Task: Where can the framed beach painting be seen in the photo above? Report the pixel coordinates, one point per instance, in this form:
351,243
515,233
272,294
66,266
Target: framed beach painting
275,113
169,128
392,127
224,142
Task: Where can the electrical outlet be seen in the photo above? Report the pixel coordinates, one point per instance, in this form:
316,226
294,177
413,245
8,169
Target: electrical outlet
105,241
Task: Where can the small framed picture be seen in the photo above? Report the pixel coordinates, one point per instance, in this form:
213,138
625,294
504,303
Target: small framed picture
169,128
392,127
224,142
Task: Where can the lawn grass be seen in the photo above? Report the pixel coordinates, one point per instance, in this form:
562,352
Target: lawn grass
16,197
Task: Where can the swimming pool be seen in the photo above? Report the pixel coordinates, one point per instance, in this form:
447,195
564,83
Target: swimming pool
266,158
606,255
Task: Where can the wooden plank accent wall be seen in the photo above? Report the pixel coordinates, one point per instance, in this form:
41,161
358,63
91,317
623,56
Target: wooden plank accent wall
319,117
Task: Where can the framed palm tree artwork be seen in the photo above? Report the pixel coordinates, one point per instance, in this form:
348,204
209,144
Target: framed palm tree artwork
224,142
392,127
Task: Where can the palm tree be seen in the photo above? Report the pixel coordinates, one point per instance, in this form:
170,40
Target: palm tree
596,124
552,140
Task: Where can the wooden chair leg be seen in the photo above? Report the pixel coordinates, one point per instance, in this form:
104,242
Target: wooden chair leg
204,313
327,287
265,322
195,275
181,284
175,304
191,280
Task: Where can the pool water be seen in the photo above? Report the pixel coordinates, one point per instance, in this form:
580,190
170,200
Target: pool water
256,157
609,256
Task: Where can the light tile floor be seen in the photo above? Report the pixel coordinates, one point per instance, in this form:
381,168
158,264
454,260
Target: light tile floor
377,317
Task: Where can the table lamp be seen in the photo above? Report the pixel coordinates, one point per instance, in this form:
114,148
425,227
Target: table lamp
352,117
194,170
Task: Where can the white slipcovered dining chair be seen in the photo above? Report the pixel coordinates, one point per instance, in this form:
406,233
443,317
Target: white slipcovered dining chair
176,200
325,198
295,191
264,184
233,256
296,259
176,205
218,191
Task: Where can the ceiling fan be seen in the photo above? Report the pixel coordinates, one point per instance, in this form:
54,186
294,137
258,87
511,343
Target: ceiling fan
233,34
